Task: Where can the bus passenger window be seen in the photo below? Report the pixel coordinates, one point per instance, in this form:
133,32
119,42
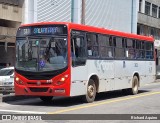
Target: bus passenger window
119,48
105,43
89,46
95,51
110,41
130,49
149,50
92,45
78,52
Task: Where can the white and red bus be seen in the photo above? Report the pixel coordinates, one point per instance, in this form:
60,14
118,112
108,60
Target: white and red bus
66,59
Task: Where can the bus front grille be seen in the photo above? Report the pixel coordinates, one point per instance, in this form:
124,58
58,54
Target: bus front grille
39,89
34,83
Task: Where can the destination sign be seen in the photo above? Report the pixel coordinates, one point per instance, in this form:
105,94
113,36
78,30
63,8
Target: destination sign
41,30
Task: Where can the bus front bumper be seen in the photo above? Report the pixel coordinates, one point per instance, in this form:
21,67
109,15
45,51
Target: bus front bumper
41,91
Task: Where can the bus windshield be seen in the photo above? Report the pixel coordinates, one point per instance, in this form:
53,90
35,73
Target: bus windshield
41,54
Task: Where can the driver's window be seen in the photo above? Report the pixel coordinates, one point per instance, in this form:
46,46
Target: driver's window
78,52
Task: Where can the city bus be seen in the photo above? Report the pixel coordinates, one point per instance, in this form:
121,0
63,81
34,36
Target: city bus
65,59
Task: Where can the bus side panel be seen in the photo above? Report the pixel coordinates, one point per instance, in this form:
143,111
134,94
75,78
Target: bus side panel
150,72
125,70
112,75
122,74
103,69
78,80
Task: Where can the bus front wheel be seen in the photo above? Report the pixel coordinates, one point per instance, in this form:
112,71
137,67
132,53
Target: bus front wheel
91,92
46,98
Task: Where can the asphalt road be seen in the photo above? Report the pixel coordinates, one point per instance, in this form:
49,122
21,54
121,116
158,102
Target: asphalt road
146,102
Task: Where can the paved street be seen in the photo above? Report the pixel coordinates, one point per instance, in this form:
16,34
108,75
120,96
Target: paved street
146,102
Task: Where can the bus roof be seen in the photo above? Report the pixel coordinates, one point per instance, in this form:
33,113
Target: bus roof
95,30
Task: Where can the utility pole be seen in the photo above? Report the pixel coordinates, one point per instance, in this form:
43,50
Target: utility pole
83,12
132,16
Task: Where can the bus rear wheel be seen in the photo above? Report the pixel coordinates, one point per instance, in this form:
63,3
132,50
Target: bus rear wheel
91,92
46,98
134,89
135,85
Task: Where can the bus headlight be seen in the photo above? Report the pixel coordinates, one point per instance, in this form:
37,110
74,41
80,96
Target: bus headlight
62,80
18,81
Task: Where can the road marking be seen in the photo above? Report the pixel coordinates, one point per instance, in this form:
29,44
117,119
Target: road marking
154,83
23,112
104,102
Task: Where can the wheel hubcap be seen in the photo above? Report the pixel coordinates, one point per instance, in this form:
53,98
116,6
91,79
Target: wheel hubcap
90,91
135,86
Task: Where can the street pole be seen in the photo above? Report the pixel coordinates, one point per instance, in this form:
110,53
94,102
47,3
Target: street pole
132,17
83,12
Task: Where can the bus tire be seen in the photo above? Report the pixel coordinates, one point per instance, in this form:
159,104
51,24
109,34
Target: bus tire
135,85
91,92
46,98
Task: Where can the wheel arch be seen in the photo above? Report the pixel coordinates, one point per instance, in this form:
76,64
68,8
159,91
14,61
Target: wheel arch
96,80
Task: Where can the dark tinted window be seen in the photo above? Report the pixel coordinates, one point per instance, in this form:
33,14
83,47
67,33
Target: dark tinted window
106,49
140,52
119,48
149,50
78,48
130,49
6,72
92,45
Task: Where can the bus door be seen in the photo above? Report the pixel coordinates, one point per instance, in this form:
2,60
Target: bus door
78,68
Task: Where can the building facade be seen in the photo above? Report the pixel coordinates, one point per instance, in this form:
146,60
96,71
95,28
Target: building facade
10,19
133,16
149,22
112,14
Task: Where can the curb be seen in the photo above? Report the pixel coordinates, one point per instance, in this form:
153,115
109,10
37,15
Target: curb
12,97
